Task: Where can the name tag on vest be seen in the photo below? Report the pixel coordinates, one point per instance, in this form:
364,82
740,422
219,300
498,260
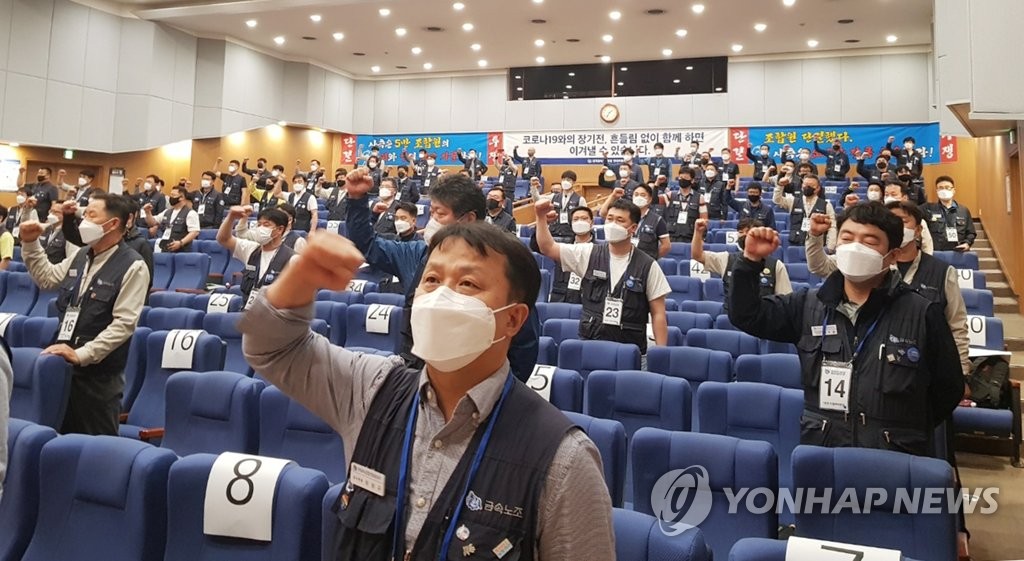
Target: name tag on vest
366,478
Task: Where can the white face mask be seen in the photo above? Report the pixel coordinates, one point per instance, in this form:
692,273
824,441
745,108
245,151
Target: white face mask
609,175
888,200
764,153
401,226
386,193
431,162
615,233
874,196
232,169
206,183
372,165
451,330
299,187
908,145
858,262
430,229
264,235
726,157
628,157
20,199
313,167
472,156
51,220
581,227
909,237
82,181
641,201
659,152
623,173
91,232
275,173
147,186
945,195
804,157
566,184
710,174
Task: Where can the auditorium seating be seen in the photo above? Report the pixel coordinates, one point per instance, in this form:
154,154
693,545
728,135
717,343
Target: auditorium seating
19,295
639,399
212,412
20,504
41,387
979,302
610,438
586,356
289,430
735,343
640,537
361,335
778,369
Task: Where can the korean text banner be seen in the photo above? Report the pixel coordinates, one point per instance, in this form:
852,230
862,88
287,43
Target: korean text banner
853,137
444,145
584,147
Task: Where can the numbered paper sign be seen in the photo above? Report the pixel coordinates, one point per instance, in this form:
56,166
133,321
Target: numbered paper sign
698,271
965,278
5,320
731,236
219,304
378,318
240,496
541,379
334,226
519,230
357,285
831,189
804,549
650,334
180,349
420,209
977,330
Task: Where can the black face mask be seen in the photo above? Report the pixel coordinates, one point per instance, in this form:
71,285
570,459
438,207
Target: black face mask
836,147
904,178
742,241
754,199
492,204
685,183
809,191
341,182
401,175
881,165
40,178
174,200
260,166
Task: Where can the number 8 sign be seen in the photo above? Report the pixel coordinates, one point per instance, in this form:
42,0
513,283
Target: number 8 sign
239,499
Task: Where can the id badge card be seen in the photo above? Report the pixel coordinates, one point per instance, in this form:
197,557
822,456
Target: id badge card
657,172
805,226
834,388
563,217
612,312
202,208
951,234
67,327
252,298
837,168
167,234
575,282
636,241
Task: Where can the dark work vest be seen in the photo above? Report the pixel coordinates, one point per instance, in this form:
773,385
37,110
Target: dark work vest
233,185
255,279
647,234
632,289
210,203
83,197
56,246
560,290
97,305
930,279
954,218
337,205
716,200
507,487
889,403
430,178
504,221
268,200
179,227
766,280
682,232
303,217
796,217
386,222
562,232
291,238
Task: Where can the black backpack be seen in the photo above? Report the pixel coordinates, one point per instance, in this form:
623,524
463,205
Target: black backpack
990,382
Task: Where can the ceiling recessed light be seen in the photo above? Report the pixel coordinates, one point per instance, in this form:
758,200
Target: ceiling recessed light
676,81
458,6
538,42
606,58
538,1
788,3
666,52
375,69
481,63
518,77
467,26
891,39
689,68
718,89
697,8
616,15
607,38
519,88
621,84
416,50
315,18
251,23
681,33
623,68
572,74
845,21
568,86
737,48
759,27
475,46
338,36
279,39
282,123
384,12
812,43
427,66
540,60
401,31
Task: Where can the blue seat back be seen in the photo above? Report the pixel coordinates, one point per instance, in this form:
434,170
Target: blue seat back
171,300
25,331
212,412
225,326
167,319
585,356
735,343
202,302
163,270
41,308
384,298
713,309
135,368
20,504
20,295
190,271
639,399
547,351
558,310
346,297
357,336
686,321
684,289
693,364
41,387
610,438
289,430
561,329
714,290
781,370
979,302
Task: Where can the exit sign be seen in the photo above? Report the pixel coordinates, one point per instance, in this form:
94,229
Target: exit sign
69,154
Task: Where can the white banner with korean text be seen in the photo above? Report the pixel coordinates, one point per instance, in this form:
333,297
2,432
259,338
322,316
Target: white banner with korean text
585,147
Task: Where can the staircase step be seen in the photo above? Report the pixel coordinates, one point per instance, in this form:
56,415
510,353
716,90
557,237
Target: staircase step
1017,372
1014,344
994,276
1007,306
999,289
981,243
988,263
984,252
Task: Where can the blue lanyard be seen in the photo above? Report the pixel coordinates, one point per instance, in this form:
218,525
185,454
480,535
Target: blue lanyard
860,345
403,474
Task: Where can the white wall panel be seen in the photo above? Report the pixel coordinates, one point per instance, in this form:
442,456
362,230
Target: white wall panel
674,109
710,110
315,96
437,109
3,95
492,94
102,51
159,125
750,93
346,105
581,115
30,37
899,101
67,42
162,74
206,121
62,116
135,61
24,103
862,89
639,112
6,21
549,114
184,90
97,128
787,87
385,103
131,121
211,58
181,121
294,85
411,104
996,76
823,88
465,101
331,105
363,107
519,115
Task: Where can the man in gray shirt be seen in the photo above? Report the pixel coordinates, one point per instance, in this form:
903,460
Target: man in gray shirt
6,383
538,486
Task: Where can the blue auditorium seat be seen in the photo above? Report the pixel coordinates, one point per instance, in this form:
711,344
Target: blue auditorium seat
959,260
171,300
763,549
679,251
796,254
566,391
558,310
735,343
639,399
781,370
923,535
219,259
684,289
714,290
20,503
692,364
713,309
20,294
41,386
212,412
686,321
190,271
722,323
225,326
641,537
723,463
106,498
289,430
336,316
384,298
135,368
561,329
24,331
212,303
978,302
296,517
163,270
669,266
610,438
585,356
547,351
167,319
357,337
42,306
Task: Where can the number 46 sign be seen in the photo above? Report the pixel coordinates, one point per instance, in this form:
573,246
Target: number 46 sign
804,549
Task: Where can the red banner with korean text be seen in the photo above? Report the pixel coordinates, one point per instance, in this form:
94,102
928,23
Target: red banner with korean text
349,149
495,144
738,140
948,150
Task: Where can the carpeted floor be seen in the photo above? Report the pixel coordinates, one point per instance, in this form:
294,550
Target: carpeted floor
998,536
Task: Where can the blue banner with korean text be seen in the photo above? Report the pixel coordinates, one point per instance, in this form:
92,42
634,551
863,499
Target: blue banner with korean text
444,145
870,139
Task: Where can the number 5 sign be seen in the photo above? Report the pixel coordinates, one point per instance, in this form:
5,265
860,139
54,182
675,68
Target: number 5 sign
240,496
804,549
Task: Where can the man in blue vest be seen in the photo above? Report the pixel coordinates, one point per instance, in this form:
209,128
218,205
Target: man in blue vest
179,224
266,257
455,460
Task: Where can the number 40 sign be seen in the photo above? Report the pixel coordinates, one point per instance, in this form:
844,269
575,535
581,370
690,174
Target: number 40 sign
804,549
